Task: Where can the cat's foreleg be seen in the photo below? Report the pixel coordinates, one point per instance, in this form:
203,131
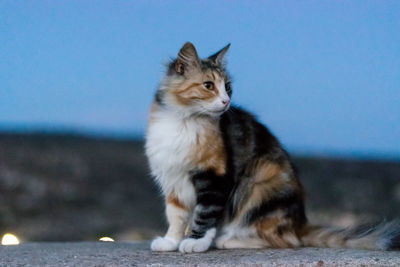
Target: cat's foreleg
211,195
177,216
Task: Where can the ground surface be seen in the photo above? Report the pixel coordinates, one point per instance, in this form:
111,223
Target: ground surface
138,254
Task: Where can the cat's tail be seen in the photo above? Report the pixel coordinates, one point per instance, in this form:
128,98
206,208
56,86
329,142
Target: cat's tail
383,236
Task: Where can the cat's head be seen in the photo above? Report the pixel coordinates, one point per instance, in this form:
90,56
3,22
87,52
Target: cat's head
194,86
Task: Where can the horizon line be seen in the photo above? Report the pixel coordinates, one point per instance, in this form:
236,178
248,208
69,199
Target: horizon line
132,135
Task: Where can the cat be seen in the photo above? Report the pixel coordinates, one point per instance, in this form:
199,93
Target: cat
226,179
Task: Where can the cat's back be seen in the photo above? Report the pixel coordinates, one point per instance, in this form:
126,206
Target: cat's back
245,134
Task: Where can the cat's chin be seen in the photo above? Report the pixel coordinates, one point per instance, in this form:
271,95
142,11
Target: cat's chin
218,113
210,113
215,115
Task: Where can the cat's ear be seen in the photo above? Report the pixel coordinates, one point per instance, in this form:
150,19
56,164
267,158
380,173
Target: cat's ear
219,56
187,59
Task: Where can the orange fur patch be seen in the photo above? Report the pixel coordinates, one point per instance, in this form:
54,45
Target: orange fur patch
173,200
193,89
209,152
267,171
193,92
153,108
269,179
276,176
277,230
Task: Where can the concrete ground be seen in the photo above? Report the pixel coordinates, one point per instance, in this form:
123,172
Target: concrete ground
138,254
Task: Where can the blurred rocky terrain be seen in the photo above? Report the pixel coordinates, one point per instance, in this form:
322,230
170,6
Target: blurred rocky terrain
71,187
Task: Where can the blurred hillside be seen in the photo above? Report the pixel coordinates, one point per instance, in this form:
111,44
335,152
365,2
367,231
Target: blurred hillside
71,187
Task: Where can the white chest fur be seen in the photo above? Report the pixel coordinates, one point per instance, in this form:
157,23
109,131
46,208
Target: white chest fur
169,144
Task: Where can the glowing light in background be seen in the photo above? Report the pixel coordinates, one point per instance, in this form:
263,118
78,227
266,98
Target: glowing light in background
9,239
106,239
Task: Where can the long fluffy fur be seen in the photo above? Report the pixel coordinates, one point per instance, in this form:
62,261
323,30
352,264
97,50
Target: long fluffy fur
225,177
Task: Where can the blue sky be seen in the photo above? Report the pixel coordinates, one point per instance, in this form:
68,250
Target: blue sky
323,75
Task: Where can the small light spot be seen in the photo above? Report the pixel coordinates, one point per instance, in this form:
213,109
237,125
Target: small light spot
9,239
106,239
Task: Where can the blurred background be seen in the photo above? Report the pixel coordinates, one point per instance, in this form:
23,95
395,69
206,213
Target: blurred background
77,79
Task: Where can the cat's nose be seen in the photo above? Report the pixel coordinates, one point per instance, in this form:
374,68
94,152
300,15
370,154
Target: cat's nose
225,101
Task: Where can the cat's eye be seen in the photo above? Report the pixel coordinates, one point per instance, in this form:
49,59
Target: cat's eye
208,85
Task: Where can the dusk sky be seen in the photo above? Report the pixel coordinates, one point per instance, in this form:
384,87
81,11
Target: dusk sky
323,75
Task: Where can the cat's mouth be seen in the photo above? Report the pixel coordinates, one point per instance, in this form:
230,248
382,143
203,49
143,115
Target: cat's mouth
220,111
217,112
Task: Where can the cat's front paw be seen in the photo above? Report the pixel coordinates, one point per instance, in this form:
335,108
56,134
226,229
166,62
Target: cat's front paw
164,244
190,245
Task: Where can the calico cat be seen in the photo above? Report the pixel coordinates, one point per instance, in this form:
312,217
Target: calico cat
227,180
